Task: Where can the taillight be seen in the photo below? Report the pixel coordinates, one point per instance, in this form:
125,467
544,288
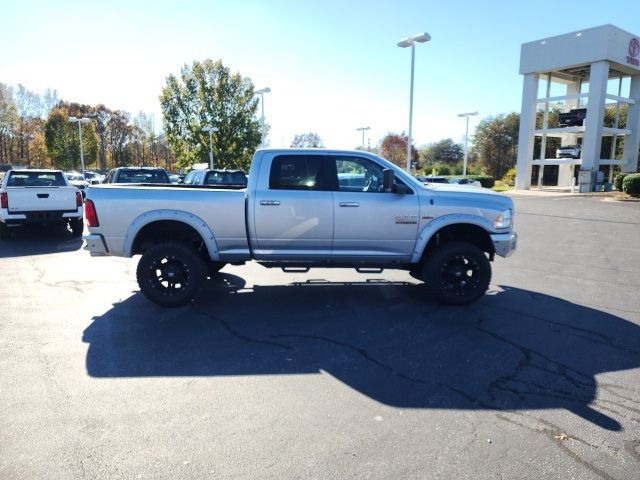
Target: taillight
78,199
90,214
4,200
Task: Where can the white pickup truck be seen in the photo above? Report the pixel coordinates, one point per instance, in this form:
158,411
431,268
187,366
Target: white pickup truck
304,209
39,196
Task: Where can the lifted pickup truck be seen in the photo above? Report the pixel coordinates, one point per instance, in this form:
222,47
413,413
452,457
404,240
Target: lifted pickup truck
298,212
39,196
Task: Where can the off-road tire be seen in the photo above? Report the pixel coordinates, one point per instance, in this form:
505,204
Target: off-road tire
77,226
457,273
171,274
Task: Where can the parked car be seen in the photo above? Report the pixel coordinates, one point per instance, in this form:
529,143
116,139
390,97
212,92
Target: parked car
431,178
294,215
569,151
39,196
216,177
464,181
77,180
137,175
573,118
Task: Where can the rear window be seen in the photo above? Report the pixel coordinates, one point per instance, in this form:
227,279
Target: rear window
296,172
225,178
143,176
36,179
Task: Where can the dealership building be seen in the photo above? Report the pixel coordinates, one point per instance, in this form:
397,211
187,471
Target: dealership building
580,74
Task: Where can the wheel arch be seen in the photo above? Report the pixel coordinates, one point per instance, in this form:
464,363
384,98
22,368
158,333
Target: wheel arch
467,228
159,226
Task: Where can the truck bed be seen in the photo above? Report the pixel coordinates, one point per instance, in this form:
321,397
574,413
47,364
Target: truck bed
221,210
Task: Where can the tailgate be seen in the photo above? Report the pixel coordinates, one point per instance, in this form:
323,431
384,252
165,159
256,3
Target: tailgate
41,199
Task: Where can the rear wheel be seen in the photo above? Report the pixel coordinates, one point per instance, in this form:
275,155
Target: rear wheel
457,273
4,231
77,226
171,274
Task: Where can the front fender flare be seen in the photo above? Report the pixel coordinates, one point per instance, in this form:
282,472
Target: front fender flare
445,220
190,219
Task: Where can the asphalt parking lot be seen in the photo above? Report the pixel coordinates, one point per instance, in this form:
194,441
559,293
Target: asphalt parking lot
329,374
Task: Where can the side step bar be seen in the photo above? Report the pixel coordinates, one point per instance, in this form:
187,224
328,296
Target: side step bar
369,270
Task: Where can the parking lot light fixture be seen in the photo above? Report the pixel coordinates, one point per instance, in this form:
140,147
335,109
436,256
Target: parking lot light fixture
261,92
80,121
362,129
466,137
211,130
404,43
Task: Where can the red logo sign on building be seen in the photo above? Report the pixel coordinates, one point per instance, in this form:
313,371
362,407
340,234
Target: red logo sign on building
634,50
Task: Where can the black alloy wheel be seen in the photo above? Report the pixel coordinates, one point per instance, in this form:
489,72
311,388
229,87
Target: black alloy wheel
457,273
171,274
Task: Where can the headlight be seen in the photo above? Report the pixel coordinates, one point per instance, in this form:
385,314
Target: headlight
503,220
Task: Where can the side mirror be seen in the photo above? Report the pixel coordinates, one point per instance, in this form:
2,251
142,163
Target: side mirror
388,180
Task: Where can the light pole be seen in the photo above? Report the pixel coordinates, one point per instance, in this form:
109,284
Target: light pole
210,130
80,121
362,129
411,42
261,92
466,139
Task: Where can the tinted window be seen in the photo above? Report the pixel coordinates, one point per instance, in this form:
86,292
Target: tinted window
297,172
225,178
36,179
143,176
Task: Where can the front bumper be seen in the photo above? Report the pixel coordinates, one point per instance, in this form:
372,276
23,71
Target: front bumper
95,245
505,243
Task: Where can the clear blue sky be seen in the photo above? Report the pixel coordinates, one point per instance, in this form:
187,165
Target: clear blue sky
332,66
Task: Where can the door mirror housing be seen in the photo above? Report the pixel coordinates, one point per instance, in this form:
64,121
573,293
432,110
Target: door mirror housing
388,180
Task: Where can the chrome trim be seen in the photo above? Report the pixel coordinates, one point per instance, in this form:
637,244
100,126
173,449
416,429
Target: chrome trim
505,243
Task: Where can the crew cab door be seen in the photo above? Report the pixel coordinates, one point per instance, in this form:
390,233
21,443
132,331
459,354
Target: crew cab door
369,224
292,209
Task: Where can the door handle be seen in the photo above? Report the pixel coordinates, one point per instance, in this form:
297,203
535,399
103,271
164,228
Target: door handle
349,204
43,195
270,203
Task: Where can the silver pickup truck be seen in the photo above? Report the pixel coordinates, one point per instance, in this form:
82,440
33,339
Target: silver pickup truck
304,209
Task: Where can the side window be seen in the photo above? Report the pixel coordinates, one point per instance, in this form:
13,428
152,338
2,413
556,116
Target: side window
188,180
356,174
297,172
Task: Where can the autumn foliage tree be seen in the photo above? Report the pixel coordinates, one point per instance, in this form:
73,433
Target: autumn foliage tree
394,149
62,138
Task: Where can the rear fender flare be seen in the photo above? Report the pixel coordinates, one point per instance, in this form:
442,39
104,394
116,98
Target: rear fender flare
190,219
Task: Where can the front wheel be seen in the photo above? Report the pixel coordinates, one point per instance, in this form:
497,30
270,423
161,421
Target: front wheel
457,273
171,274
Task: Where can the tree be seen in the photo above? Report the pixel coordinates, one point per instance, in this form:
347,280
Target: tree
496,142
394,149
119,133
8,123
445,151
62,138
207,94
307,140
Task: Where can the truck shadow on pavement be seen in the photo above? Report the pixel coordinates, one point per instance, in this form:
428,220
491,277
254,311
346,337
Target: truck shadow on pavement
39,240
512,350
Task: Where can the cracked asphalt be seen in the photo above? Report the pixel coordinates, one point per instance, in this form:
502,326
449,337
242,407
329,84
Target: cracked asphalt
329,374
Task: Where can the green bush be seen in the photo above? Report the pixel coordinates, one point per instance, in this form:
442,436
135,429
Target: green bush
631,184
510,177
486,181
617,181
